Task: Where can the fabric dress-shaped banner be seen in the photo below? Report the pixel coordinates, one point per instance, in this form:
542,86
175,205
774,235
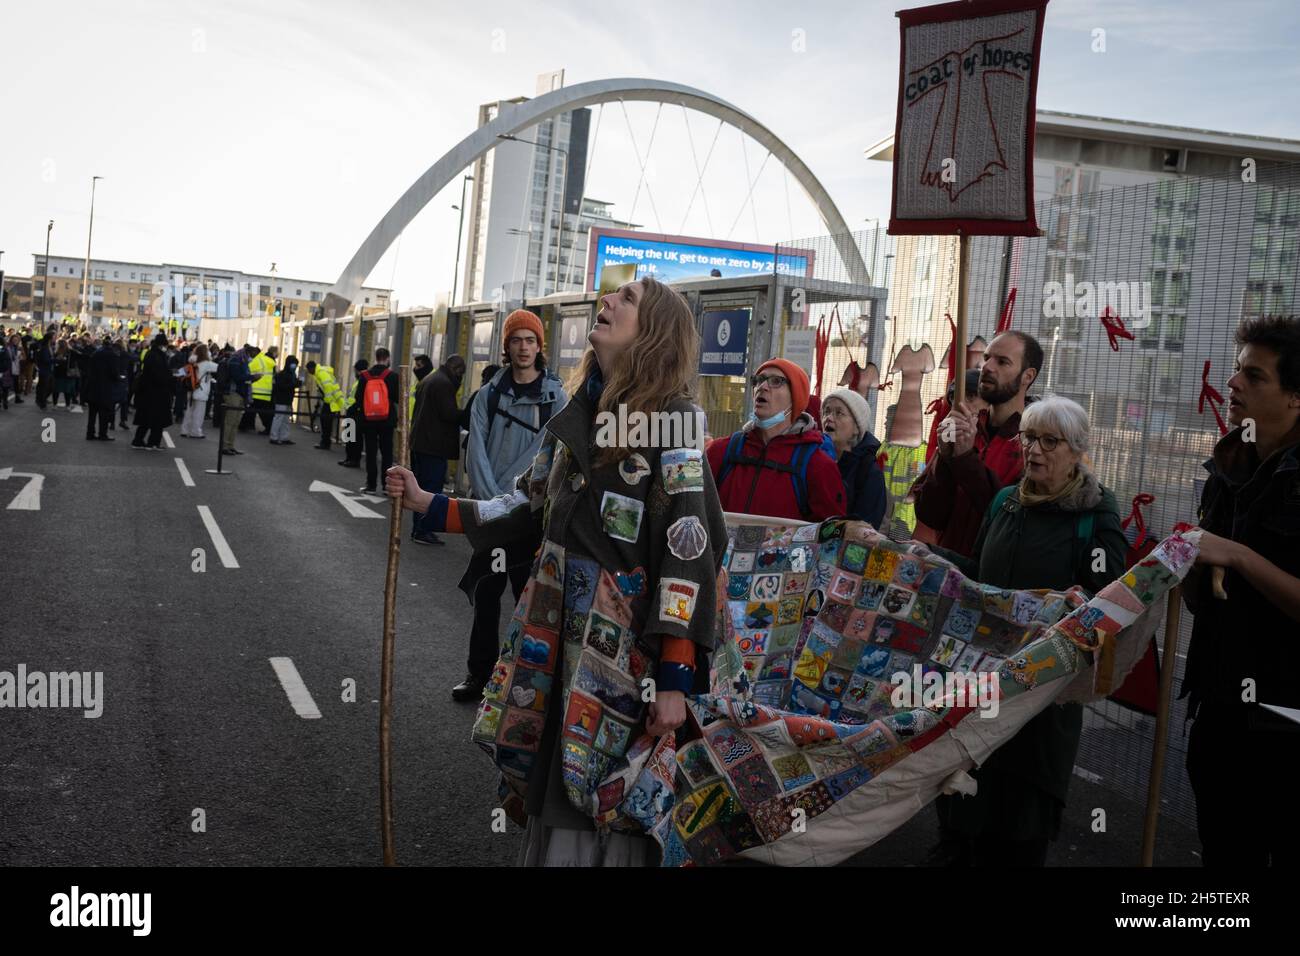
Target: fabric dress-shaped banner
964,140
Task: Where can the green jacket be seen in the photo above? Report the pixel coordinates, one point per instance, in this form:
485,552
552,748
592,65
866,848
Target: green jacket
1039,547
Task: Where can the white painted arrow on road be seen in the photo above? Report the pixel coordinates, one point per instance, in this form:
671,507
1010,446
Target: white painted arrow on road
29,499
354,507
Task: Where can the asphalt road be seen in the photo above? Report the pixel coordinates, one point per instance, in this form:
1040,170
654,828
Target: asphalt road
195,718
194,715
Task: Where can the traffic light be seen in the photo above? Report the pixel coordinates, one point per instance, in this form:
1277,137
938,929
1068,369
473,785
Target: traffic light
279,309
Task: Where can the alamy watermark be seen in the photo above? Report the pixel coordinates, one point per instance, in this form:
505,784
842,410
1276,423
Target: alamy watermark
633,429
77,909
78,690
1088,300
933,690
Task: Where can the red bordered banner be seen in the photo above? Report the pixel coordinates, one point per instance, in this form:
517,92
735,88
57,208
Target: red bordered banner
964,136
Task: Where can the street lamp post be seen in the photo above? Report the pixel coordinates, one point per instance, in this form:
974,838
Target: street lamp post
85,278
45,283
546,225
460,229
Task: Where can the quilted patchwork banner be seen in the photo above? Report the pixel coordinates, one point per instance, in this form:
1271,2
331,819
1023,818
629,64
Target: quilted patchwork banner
964,138
810,747
853,682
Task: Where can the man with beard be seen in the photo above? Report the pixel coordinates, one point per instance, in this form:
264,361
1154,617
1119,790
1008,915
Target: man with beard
979,454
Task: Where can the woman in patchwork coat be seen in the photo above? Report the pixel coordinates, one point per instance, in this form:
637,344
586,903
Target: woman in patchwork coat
617,622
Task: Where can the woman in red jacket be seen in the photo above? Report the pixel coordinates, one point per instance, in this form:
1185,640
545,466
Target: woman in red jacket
778,465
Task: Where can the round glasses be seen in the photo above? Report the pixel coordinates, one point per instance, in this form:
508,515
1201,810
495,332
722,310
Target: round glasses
1045,442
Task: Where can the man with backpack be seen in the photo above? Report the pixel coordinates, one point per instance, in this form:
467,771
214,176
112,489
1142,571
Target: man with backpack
507,421
778,464
377,393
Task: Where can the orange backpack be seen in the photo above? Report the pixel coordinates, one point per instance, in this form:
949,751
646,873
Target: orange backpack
374,397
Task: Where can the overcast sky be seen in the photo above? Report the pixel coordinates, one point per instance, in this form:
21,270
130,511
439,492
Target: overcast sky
239,133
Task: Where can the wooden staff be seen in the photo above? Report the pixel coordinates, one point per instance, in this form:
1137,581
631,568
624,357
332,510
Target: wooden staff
959,342
390,631
1173,615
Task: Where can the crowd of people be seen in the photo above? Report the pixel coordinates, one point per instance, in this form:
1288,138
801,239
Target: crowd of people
174,381
1008,495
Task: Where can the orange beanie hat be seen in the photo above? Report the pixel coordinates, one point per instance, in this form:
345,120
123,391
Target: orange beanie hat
798,384
525,320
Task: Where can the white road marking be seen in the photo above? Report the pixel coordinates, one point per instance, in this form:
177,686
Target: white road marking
185,473
167,440
29,499
354,508
299,695
218,539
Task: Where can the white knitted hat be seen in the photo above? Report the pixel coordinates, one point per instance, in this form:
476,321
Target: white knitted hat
857,406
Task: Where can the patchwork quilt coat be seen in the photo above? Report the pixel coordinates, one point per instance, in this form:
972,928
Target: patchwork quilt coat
629,556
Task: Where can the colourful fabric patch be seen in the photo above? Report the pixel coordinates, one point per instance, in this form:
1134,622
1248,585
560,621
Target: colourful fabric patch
683,470
621,516
537,647
677,600
631,583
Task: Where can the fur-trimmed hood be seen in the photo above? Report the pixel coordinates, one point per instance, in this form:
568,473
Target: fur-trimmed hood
1089,496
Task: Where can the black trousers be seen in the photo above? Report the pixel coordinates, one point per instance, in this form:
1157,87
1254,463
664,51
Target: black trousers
352,449
1241,775
44,386
101,413
485,635
378,442
154,432
326,425
265,410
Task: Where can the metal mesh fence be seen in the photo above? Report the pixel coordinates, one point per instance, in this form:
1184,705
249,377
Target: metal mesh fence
1130,292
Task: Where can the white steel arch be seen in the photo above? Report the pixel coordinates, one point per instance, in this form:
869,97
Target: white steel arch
532,112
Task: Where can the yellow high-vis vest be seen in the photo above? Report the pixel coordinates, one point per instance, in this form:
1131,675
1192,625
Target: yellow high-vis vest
262,386
329,388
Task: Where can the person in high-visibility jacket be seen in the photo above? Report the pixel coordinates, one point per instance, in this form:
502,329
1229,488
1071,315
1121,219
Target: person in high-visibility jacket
262,368
331,400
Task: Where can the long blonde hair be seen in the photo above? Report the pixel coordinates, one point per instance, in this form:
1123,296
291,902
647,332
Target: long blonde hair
659,367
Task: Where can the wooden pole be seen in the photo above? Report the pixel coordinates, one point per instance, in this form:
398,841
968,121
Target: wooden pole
959,336
1173,616
390,631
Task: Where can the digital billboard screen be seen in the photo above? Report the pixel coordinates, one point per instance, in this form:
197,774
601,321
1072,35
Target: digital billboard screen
673,258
